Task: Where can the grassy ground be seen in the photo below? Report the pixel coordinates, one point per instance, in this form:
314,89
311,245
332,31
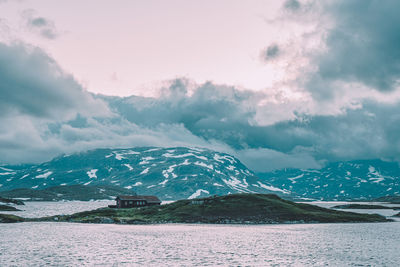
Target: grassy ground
8,218
8,208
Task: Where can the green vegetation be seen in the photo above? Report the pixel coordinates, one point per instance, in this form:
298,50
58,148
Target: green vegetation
8,208
10,200
68,192
363,206
8,218
237,208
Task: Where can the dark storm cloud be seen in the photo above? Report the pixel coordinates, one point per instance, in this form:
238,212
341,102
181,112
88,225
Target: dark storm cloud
226,115
208,115
362,47
45,112
32,83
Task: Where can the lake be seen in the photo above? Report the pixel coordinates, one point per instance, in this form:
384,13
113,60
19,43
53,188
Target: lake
74,244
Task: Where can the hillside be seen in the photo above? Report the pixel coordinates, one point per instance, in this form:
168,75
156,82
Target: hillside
169,173
390,199
236,208
363,180
11,201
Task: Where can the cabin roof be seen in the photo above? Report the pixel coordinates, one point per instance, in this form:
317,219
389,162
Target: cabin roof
149,199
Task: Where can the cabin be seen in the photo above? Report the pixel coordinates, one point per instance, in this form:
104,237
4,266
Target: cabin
136,201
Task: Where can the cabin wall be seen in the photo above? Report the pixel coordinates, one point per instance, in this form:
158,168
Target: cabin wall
122,203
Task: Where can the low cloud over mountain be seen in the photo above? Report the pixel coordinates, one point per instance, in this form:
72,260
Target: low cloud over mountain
343,106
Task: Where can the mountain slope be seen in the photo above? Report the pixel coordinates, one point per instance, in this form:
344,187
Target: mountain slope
363,179
170,173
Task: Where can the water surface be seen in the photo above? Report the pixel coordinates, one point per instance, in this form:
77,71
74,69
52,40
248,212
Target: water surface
72,244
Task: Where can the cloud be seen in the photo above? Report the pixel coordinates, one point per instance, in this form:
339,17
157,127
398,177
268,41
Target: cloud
271,52
32,83
226,115
264,160
40,25
292,5
363,45
45,111
357,43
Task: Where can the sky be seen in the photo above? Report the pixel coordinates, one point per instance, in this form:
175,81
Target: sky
278,84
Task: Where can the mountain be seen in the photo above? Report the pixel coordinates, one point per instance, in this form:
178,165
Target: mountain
169,173
362,179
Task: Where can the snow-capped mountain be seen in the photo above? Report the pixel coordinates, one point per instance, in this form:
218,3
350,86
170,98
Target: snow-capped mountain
363,179
170,173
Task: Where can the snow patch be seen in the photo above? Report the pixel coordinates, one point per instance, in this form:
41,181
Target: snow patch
119,155
163,182
26,175
165,174
44,175
7,173
153,149
296,177
169,155
198,193
378,177
272,188
197,149
202,164
92,173
145,171
145,160
230,167
128,166
186,162
221,159
6,169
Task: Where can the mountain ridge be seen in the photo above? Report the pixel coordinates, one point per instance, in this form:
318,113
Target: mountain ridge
170,173
348,180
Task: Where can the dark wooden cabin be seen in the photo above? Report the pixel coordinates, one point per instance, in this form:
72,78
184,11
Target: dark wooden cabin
136,201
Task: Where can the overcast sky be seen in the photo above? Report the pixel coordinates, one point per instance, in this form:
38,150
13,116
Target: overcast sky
276,83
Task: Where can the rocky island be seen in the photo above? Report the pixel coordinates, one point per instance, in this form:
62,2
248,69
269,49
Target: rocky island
364,206
8,208
232,209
